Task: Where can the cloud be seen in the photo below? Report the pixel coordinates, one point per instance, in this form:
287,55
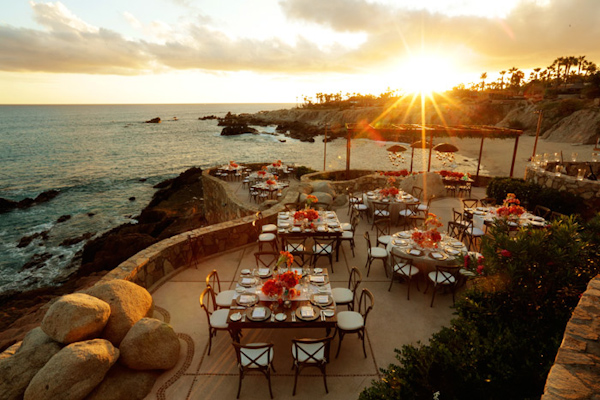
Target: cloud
532,33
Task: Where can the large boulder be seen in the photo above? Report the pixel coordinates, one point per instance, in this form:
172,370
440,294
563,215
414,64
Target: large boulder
340,200
431,183
76,317
324,187
73,372
150,344
122,383
128,304
17,370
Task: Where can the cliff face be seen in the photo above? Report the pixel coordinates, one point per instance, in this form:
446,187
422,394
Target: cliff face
582,126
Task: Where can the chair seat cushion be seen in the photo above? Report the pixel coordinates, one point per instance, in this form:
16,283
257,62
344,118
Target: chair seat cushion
218,319
266,237
442,278
406,269
316,350
350,320
341,295
224,298
381,213
406,213
294,247
322,248
346,226
248,354
475,231
347,235
361,207
384,239
422,207
269,228
378,252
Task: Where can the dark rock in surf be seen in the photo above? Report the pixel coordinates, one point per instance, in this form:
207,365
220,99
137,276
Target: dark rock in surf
132,198
233,130
37,261
8,205
26,240
206,117
153,121
63,218
75,240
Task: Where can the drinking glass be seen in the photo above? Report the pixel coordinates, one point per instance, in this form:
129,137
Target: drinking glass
557,157
574,156
594,156
580,174
557,170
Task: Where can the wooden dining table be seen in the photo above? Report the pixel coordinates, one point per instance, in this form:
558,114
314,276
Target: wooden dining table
277,316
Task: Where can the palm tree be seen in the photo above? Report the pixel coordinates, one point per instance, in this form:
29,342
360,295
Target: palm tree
580,64
502,79
483,77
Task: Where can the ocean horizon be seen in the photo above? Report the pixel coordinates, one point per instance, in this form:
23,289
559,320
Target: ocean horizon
100,156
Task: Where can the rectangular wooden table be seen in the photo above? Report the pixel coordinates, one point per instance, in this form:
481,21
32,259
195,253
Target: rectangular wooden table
321,321
329,227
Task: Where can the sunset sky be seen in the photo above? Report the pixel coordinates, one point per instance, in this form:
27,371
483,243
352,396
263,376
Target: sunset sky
254,51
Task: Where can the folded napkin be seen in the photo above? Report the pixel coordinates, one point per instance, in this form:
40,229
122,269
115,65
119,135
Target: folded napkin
247,281
317,278
264,271
259,312
307,312
415,252
452,251
436,255
322,299
246,298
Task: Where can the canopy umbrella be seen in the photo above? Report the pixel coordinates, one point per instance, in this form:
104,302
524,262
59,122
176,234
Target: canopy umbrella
418,145
397,148
445,148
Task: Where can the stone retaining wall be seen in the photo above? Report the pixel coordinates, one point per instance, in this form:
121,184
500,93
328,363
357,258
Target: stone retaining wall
588,190
575,374
362,183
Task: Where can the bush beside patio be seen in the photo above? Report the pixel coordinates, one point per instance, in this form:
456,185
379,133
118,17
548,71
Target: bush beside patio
509,324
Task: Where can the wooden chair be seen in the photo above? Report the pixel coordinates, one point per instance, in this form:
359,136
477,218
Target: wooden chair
223,298
311,353
321,206
465,187
348,235
296,246
375,253
542,211
254,357
470,203
417,192
404,268
291,207
217,318
556,215
381,210
456,230
346,296
382,229
355,322
488,201
443,276
472,235
266,259
451,187
324,247
424,208
409,211
415,222
362,208
353,199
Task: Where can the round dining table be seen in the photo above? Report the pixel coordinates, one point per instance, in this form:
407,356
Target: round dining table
397,203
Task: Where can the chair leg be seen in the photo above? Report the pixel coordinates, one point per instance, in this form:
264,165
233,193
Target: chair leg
240,384
269,379
324,371
210,335
339,343
391,282
408,290
368,265
363,340
352,247
295,380
433,296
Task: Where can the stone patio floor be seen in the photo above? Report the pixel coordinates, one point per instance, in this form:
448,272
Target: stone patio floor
393,322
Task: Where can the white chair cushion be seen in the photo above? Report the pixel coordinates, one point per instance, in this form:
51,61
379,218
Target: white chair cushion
406,269
310,349
247,354
322,249
341,295
475,231
218,319
350,320
384,239
269,228
347,235
346,226
378,252
360,207
381,213
422,207
266,237
441,278
224,298
406,213
355,200
294,247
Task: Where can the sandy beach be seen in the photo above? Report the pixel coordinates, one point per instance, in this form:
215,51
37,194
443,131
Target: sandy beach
497,153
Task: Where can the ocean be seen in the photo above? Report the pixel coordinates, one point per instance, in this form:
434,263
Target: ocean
99,156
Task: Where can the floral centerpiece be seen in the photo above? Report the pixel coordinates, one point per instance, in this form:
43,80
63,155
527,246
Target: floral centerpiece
403,172
277,164
511,207
233,164
389,192
310,199
429,237
283,285
308,214
271,182
261,173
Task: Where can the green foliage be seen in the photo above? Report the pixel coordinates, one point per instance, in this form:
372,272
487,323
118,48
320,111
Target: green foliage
303,170
509,325
531,194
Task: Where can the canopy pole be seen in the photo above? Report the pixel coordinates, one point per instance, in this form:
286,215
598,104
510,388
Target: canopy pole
348,139
479,160
412,156
325,150
430,150
512,165
537,132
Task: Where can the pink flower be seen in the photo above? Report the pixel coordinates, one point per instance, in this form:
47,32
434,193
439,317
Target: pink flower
466,261
480,260
480,269
505,253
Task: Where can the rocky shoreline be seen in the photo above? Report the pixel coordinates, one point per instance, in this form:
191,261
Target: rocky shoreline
176,207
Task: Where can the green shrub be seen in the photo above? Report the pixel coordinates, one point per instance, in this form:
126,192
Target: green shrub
303,170
509,324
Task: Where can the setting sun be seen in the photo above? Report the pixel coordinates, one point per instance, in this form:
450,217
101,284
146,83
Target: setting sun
427,73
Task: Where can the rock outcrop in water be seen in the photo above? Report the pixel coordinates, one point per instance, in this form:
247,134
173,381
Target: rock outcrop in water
153,121
8,205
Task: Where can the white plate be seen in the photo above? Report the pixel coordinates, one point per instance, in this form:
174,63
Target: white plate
235,317
280,317
296,229
329,313
284,224
240,289
245,271
318,270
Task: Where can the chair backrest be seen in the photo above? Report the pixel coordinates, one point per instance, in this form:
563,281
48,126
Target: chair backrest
365,304
470,203
542,211
312,351
382,227
416,221
488,201
556,215
354,280
294,243
417,192
398,258
379,206
354,220
446,274
253,355
325,241
368,239
456,230
208,301
266,259
457,216
212,280
321,206
302,259
291,206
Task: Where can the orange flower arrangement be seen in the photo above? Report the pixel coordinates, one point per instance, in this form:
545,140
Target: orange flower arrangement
429,237
311,199
285,283
389,192
271,182
309,214
285,257
511,207
261,173
233,164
